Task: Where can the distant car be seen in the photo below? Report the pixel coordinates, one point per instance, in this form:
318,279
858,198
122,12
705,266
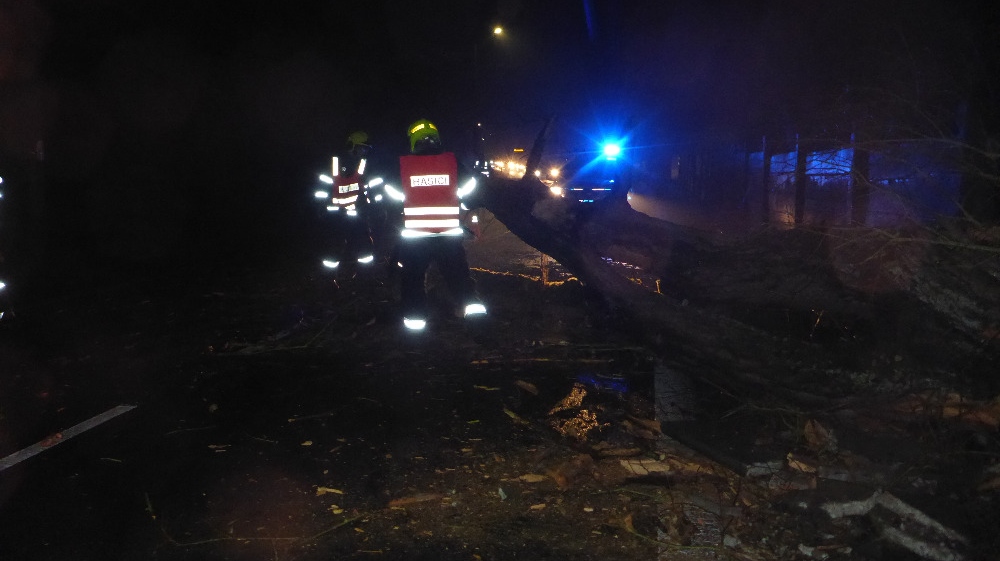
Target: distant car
587,178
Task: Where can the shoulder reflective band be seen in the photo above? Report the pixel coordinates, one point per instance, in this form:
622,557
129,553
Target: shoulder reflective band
469,186
361,166
392,192
335,166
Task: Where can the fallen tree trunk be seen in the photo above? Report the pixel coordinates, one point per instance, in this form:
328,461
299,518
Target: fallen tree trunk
867,317
729,353
854,301
712,317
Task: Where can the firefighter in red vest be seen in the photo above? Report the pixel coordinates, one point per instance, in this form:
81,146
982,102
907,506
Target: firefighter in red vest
432,226
348,202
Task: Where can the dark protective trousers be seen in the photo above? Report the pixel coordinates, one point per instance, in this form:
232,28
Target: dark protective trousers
416,255
352,238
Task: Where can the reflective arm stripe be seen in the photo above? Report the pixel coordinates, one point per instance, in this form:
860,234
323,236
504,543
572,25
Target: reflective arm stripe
395,194
469,187
426,210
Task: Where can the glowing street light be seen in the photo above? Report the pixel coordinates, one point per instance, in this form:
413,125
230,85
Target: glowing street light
497,30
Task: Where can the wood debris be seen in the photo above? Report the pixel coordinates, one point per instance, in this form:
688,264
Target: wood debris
415,499
951,406
905,526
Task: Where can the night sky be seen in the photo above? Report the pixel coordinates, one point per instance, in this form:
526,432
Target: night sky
160,119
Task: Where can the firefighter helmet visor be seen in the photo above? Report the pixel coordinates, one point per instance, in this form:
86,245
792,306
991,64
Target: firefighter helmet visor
420,130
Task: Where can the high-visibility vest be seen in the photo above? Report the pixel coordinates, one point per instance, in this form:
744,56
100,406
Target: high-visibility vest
346,184
430,188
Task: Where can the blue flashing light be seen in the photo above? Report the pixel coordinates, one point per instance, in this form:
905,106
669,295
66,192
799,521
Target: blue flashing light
611,150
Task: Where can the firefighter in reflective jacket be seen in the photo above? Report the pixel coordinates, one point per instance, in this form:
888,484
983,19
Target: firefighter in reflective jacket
432,230
348,203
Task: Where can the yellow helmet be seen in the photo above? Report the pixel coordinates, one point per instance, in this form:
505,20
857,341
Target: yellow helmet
420,130
357,138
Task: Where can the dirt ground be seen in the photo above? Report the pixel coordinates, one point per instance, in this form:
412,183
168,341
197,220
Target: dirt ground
282,415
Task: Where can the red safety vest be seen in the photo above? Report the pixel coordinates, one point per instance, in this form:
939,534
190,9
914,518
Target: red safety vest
346,187
430,188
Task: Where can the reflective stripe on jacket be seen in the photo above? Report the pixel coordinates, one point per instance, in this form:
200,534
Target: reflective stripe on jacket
430,188
346,184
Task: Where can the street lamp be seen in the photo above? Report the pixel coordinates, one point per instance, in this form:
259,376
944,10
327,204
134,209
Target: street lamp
479,83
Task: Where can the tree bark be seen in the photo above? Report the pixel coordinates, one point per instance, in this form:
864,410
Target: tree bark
860,185
801,179
708,321
768,148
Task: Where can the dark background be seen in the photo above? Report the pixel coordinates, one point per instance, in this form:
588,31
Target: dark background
186,135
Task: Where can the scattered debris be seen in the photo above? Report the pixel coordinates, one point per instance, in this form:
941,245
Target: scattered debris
819,438
952,406
415,499
573,400
526,386
578,426
532,478
605,450
572,471
645,466
517,418
908,527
